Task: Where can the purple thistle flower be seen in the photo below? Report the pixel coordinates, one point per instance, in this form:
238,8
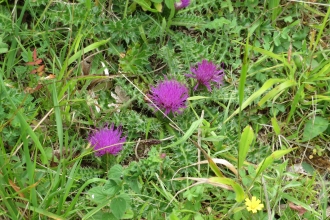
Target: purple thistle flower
107,141
169,95
205,73
182,4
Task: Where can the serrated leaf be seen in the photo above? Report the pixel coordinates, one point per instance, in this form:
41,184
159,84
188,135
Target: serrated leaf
134,185
115,172
96,194
216,23
314,127
118,206
135,60
112,187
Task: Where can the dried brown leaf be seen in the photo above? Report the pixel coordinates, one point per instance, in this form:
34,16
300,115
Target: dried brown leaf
297,208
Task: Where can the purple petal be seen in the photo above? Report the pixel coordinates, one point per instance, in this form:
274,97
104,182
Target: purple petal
205,73
182,4
107,141
169,96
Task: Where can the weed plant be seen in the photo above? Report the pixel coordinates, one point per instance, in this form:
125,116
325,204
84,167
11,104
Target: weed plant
164,109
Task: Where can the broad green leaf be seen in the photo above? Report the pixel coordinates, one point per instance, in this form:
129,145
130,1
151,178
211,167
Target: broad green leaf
314,127
144,4
92,212
118,206
240,195
270,159
3,46
308,168
198,216
129,214
245,144
159,7
88,4
169,3
112,187
133,184
96,194
131,8
214,167
268,84
3,50
78,194
276,91
173,216
116,171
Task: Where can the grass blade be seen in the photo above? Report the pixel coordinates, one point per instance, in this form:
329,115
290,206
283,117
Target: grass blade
240,195
270,159
278,89
185,137
245,143
269,83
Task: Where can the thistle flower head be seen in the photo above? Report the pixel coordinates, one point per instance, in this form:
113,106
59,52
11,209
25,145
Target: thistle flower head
169,96
205,73
181,4
107,140
253,205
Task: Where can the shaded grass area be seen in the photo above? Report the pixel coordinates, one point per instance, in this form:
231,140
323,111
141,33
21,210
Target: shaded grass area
68,69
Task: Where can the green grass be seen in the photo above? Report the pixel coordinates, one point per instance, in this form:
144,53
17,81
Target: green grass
71,68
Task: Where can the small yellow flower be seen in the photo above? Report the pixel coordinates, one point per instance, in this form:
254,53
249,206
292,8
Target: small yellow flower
253,205
314,151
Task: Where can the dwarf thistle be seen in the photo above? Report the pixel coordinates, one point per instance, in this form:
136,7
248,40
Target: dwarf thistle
181,4
205,73
107,141
169,96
